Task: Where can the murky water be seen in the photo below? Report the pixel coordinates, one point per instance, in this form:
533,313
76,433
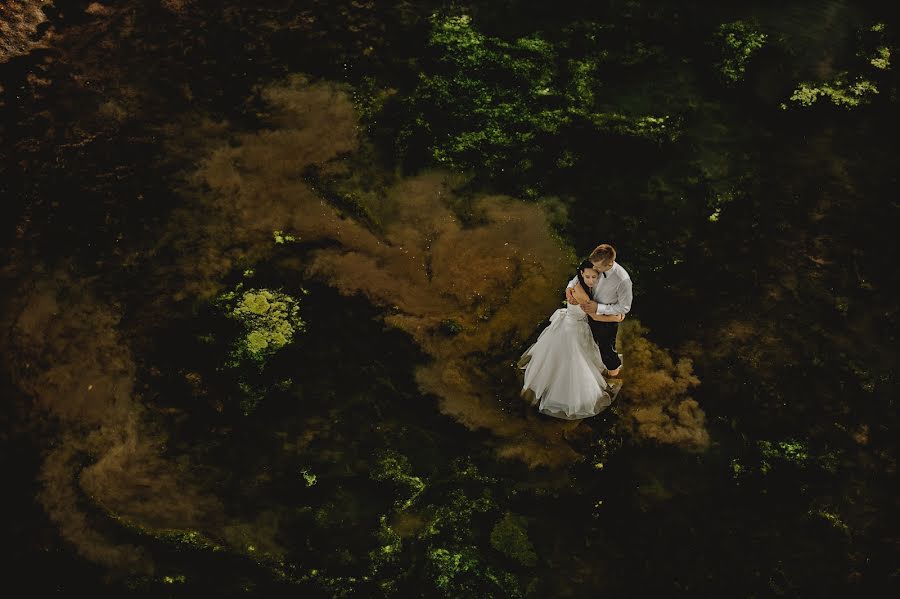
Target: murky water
397,174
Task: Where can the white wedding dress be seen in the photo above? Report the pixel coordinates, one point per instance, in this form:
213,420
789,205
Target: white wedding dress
563,368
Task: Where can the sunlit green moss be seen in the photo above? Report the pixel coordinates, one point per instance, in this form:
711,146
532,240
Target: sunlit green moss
385,554
797,453
790,450
737,42
270,320
840,92
657,129
195,540
392,466
189,538
876,48
882,58
180,538
308,477
832,518
280,237
391,541
462,42
460,573
459,525
850,91
580,90
450,564
464,469
510,537
489,103
794,451
454,517
369,98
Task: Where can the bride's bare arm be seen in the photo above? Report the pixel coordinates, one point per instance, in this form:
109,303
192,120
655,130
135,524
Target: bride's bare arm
578,295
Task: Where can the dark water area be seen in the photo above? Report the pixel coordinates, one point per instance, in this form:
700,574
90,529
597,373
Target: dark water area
266,271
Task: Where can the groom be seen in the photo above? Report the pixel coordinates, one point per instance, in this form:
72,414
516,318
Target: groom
611,295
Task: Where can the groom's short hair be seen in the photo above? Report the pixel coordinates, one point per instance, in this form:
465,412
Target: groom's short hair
603,254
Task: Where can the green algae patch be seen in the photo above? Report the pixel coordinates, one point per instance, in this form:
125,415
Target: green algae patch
394,467
384,556
737,43
461,573
448,565
882,58
280,237
831,518
855,87
510,537
788,452
270,320
308,477
486,103
841,91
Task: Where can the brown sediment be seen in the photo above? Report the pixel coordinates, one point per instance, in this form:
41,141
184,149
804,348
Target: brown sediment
67,354
425,265
495,276
19,22
655,401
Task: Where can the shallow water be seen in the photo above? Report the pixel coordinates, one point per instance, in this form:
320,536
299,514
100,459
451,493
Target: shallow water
151,152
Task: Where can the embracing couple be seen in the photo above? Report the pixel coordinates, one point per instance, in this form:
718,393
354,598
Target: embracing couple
567,367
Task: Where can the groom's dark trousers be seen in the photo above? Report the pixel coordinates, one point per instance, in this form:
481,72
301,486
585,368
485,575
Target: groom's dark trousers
605,336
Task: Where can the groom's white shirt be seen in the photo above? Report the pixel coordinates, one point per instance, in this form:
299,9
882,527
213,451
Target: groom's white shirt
612,292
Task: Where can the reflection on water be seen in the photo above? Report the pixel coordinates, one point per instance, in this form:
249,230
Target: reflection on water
817,30
156,148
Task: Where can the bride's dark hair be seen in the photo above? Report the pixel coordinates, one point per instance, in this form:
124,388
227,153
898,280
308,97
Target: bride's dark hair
581,267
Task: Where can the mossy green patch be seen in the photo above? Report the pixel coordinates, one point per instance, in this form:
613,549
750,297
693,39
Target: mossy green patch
487,103
392,466
737,43
841,91
510,537
270,319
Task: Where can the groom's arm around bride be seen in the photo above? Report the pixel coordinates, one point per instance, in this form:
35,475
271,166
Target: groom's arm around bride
612,295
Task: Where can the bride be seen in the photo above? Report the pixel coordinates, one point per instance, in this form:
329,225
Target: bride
563,367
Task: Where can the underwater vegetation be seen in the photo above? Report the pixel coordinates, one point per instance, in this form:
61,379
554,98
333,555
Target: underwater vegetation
738,42
269,320
846,89
184,419
498,106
